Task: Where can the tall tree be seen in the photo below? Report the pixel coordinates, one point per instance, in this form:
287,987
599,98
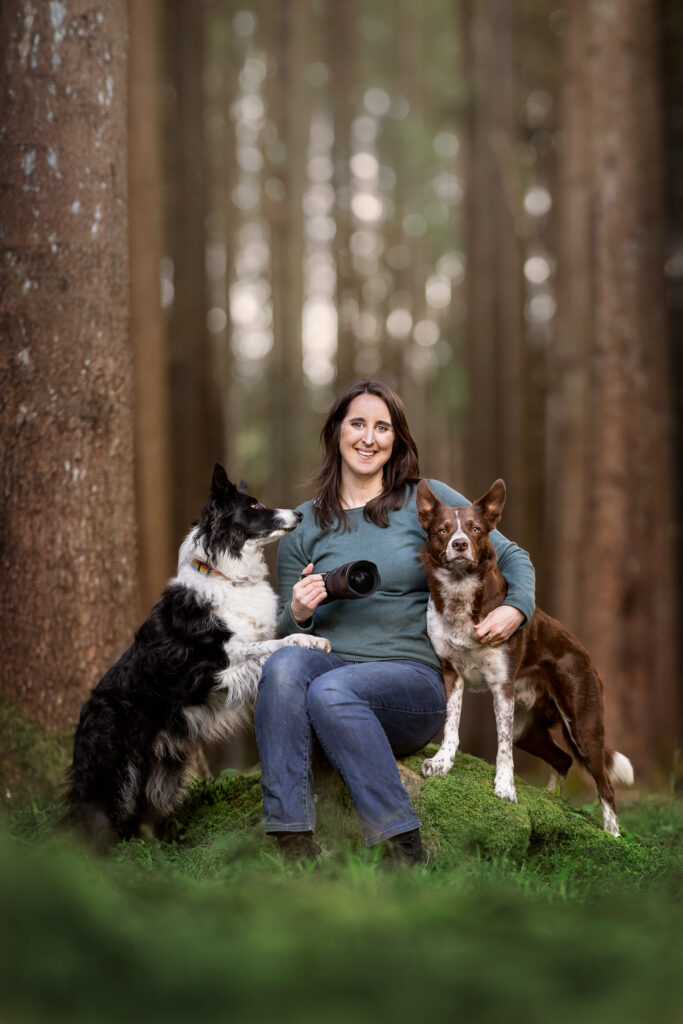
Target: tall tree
289,416
196,424
341,43
616,582
495,294
66,418
147,324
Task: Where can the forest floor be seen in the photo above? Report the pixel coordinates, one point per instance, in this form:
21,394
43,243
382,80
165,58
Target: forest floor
526,913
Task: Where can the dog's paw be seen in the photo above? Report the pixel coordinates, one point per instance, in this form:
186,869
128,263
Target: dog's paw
312,643
506,791
320,643
436,766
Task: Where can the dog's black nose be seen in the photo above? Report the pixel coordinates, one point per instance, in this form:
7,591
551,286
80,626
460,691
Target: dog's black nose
299,515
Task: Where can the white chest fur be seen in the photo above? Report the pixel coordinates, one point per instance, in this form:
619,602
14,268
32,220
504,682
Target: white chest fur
454,640
477,666
250,611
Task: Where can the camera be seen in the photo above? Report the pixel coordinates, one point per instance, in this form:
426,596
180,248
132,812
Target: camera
351,581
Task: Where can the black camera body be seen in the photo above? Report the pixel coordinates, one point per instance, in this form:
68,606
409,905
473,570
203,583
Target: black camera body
351,581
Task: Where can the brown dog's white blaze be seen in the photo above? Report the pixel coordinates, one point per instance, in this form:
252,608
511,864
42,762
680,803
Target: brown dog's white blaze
539,678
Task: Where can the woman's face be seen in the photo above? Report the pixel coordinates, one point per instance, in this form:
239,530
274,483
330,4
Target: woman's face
366,436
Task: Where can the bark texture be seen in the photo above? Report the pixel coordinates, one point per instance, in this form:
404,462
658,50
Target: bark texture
68,525
612,443
147,325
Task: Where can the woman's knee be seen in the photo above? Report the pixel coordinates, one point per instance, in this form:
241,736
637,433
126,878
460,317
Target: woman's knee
329,692
283,671
287,673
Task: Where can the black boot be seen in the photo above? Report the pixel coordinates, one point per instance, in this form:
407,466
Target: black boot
406,848
297,847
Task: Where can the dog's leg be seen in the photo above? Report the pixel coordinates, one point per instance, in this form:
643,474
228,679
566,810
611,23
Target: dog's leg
239,651
442,762
555,783
504,708
537,740
586,737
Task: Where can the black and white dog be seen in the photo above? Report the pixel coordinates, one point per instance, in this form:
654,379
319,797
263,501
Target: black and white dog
191,673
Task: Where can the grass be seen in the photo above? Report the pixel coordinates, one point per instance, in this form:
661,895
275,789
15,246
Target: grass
525,913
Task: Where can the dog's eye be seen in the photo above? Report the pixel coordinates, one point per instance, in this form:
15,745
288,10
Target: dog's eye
443,531
475,529
256,505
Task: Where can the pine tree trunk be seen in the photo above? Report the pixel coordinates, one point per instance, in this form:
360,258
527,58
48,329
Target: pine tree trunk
288,413
147,326
196,436
494,329
614,534
342,48
69,562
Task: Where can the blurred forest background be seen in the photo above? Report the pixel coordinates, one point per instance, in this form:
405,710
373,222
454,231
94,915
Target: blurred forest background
213,215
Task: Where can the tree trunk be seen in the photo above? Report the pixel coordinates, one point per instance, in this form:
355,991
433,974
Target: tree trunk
196,426
623,599
147,326
342,47
69,563
288,415
494,329
569,413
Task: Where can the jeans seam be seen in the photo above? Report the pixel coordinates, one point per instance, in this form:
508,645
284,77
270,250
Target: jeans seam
307,770
329,756
392,830
407,711
294,826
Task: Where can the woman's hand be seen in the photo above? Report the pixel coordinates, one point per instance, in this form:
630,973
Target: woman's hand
307,593
499,625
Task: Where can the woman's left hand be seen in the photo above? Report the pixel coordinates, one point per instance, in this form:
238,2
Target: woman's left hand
499,625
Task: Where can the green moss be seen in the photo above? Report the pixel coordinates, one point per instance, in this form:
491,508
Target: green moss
462,815
32,759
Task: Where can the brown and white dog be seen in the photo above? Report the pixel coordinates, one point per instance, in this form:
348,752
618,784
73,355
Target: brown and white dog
538,678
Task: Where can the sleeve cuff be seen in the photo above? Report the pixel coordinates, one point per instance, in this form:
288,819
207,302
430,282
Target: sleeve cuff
287,624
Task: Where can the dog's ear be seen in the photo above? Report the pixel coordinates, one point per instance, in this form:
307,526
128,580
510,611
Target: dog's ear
220,485
427,503
492,503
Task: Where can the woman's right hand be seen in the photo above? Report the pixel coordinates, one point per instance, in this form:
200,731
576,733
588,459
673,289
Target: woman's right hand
307,593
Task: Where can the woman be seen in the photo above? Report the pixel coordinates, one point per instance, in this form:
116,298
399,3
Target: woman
378,694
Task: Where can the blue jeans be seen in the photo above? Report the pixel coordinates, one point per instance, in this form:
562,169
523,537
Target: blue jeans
365,714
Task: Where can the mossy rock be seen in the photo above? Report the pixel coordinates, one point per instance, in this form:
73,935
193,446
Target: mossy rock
462,815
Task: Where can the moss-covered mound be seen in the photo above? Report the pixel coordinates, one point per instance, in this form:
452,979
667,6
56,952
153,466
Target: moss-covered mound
462,815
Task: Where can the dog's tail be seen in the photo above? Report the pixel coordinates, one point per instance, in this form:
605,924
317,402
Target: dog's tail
619,768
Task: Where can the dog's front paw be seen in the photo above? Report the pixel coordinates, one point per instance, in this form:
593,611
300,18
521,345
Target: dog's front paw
436,766
320,643
313,643
505,789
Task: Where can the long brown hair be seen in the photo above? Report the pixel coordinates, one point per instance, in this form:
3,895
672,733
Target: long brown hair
401,469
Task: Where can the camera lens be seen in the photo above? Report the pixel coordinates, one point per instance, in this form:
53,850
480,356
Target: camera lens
361,581
355,579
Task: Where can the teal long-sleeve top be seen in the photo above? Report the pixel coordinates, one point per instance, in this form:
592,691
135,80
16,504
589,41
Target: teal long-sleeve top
392,623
